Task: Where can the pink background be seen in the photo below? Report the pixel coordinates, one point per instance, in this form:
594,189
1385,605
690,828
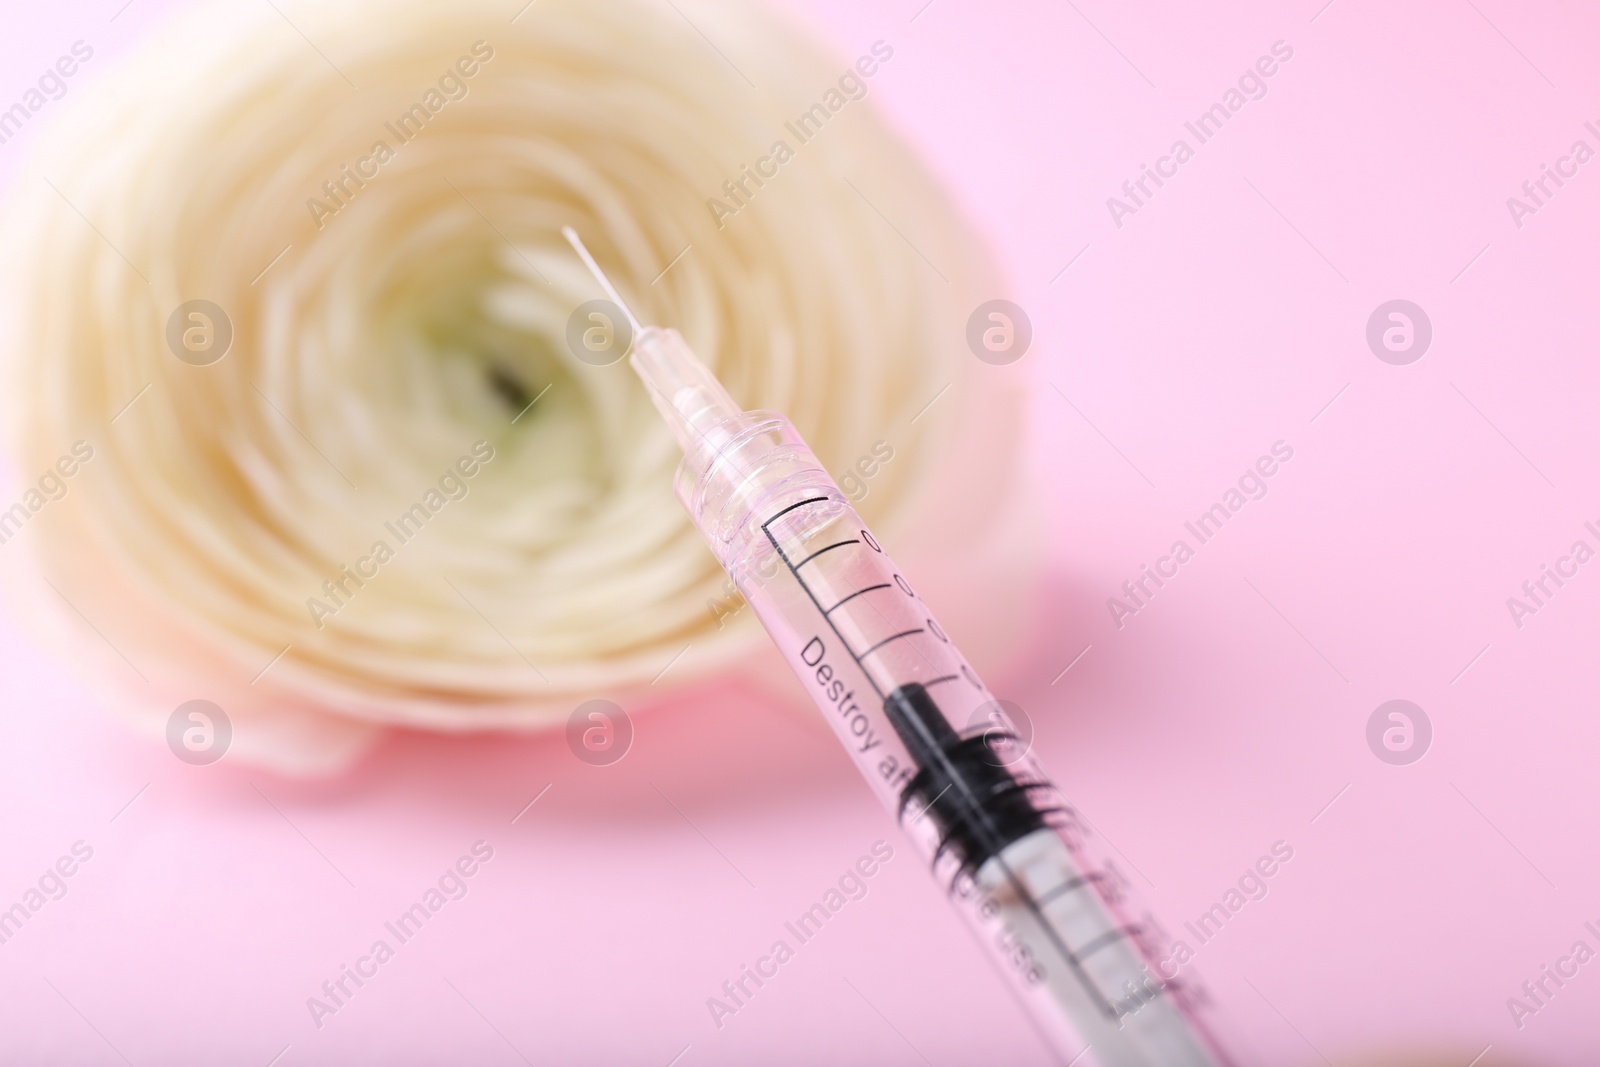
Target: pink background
1225,716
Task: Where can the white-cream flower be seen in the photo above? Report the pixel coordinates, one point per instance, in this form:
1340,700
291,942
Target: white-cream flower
383,324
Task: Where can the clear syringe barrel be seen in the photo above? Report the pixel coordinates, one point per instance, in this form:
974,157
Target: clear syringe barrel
1061,920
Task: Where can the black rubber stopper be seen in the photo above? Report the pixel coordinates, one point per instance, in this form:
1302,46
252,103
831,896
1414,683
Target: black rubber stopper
976,802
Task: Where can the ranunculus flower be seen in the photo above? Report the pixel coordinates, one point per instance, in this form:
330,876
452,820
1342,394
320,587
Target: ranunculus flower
392,307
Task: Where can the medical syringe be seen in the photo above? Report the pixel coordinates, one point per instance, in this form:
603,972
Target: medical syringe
1094,969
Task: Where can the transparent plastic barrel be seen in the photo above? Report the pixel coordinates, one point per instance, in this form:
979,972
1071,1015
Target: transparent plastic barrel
1060,918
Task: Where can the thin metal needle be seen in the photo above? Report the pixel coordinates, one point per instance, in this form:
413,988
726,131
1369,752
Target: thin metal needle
594,268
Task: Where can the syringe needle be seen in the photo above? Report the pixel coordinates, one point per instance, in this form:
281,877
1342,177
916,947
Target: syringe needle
1028,882
599,275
